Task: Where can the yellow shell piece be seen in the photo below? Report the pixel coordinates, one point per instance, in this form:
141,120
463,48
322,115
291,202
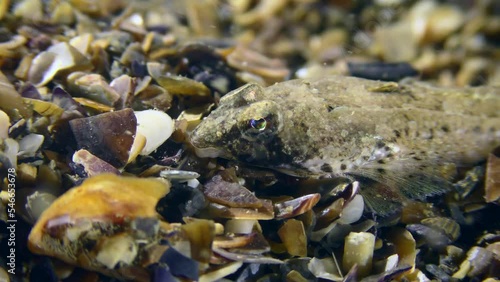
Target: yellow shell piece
105,198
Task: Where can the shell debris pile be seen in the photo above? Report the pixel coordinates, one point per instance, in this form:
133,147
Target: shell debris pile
97,99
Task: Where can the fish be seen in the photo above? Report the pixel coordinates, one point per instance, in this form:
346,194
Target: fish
410,136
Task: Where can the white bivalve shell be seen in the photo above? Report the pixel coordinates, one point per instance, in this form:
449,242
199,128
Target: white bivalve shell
156,126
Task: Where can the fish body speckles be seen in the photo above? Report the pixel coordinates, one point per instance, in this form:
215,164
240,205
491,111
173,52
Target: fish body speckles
350,126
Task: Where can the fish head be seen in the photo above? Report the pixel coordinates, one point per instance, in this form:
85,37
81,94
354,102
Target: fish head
244,127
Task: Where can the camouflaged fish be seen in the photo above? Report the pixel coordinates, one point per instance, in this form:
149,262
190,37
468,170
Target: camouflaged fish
406,136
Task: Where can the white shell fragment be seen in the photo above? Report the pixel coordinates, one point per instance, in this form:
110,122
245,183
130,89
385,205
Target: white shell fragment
119,248
37,203
358,249
221,273
325,269
10,150
240,226
353,211
175,174
4,125
58,57
156,126
29,145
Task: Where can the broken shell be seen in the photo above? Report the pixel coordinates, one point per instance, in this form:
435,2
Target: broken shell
265,212
358,250
125,86
296,206
108,136
92,105
182,201
92,164
38,202
117,249
272,70
475,264
24,66
448,226
93,87
240,226
293,236
201,234
326,268
153,97
26,174
183,175
96,8
29,145
12,47
4,125
29,10
442,21
352,211
202,17
232,241
46,109
433,237
492,185
63,14
57,58
405,246
230,194
156,126
182,85
193,116
99,209
10,100
218,274
414,212
248,258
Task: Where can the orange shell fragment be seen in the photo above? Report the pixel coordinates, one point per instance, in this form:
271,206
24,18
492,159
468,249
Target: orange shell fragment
104,198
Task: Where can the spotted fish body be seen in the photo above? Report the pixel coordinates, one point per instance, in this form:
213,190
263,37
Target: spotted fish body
399,134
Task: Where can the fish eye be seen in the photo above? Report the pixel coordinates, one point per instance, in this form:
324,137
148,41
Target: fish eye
260,121
259,124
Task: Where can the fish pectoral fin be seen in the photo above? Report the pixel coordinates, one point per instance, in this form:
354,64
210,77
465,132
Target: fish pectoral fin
380,198
411,179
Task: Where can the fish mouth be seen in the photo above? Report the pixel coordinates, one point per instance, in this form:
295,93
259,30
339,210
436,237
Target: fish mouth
211,152
208,151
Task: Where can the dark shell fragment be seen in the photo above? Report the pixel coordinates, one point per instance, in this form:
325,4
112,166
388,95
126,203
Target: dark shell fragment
108,136
230,194
180,265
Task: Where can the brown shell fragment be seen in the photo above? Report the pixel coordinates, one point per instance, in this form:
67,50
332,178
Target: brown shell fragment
93,87
265,212
180,85
230,194
294,238
492,185
247,60
476,263
92,164
405,246
249,258
296,206
447,226
200,233
108,136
